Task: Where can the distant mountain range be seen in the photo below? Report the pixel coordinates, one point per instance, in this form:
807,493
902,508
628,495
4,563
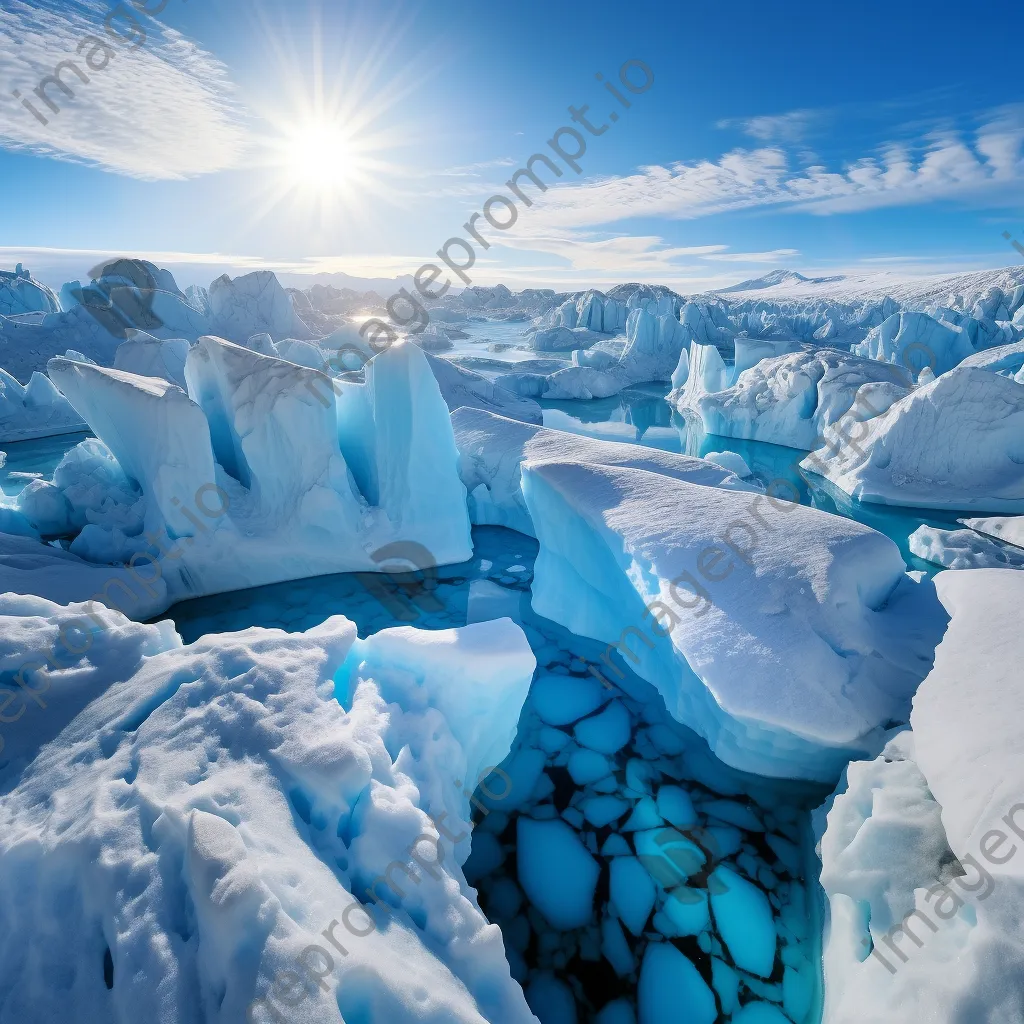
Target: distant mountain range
777,277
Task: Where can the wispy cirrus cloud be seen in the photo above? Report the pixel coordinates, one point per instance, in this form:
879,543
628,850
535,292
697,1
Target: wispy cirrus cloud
157,110
985,165
792,126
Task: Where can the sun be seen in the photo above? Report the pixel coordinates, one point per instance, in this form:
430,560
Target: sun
319,156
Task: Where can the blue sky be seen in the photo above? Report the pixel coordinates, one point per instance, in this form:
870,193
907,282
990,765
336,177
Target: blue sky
827,138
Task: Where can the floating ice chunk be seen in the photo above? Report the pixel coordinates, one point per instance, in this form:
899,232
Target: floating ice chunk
964,549
843,636
223,785
744,920
606,732
603,810
908,926
488,600
615,947
587,766
729,460
727,984
1009,529
620,1011
955,443
686,910
159,437
792,399
760,1013
561,700
668,984
556,871
676,807
147,356
645,815
632,893
492,451
550,999
462,388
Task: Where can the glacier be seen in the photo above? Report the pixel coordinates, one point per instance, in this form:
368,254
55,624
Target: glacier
691,663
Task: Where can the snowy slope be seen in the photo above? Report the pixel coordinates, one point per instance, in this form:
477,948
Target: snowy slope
922,860
911,291
186,825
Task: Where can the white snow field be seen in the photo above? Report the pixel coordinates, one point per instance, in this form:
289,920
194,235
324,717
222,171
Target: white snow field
785,636
263,474
260,826
922,859
955,443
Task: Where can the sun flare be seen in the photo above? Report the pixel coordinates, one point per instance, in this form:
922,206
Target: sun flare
319,156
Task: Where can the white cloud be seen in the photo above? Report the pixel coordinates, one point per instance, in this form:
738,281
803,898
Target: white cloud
790,127
164,109
937,167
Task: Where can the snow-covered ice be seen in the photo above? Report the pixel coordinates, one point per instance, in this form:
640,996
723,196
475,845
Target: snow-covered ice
921,852
787,637
493,450
794,399
260,823
956,443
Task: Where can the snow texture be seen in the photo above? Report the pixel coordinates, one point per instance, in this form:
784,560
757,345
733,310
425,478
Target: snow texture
957,443
921,851
794,399
785,636
492,451
261,823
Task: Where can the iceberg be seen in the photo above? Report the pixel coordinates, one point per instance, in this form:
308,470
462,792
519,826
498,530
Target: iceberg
142,354
920,847
35,410
268,823
21,293
462,388
253,304
261,473
493,451
128,295
957,443
787,637
915,340
964,549
793,399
